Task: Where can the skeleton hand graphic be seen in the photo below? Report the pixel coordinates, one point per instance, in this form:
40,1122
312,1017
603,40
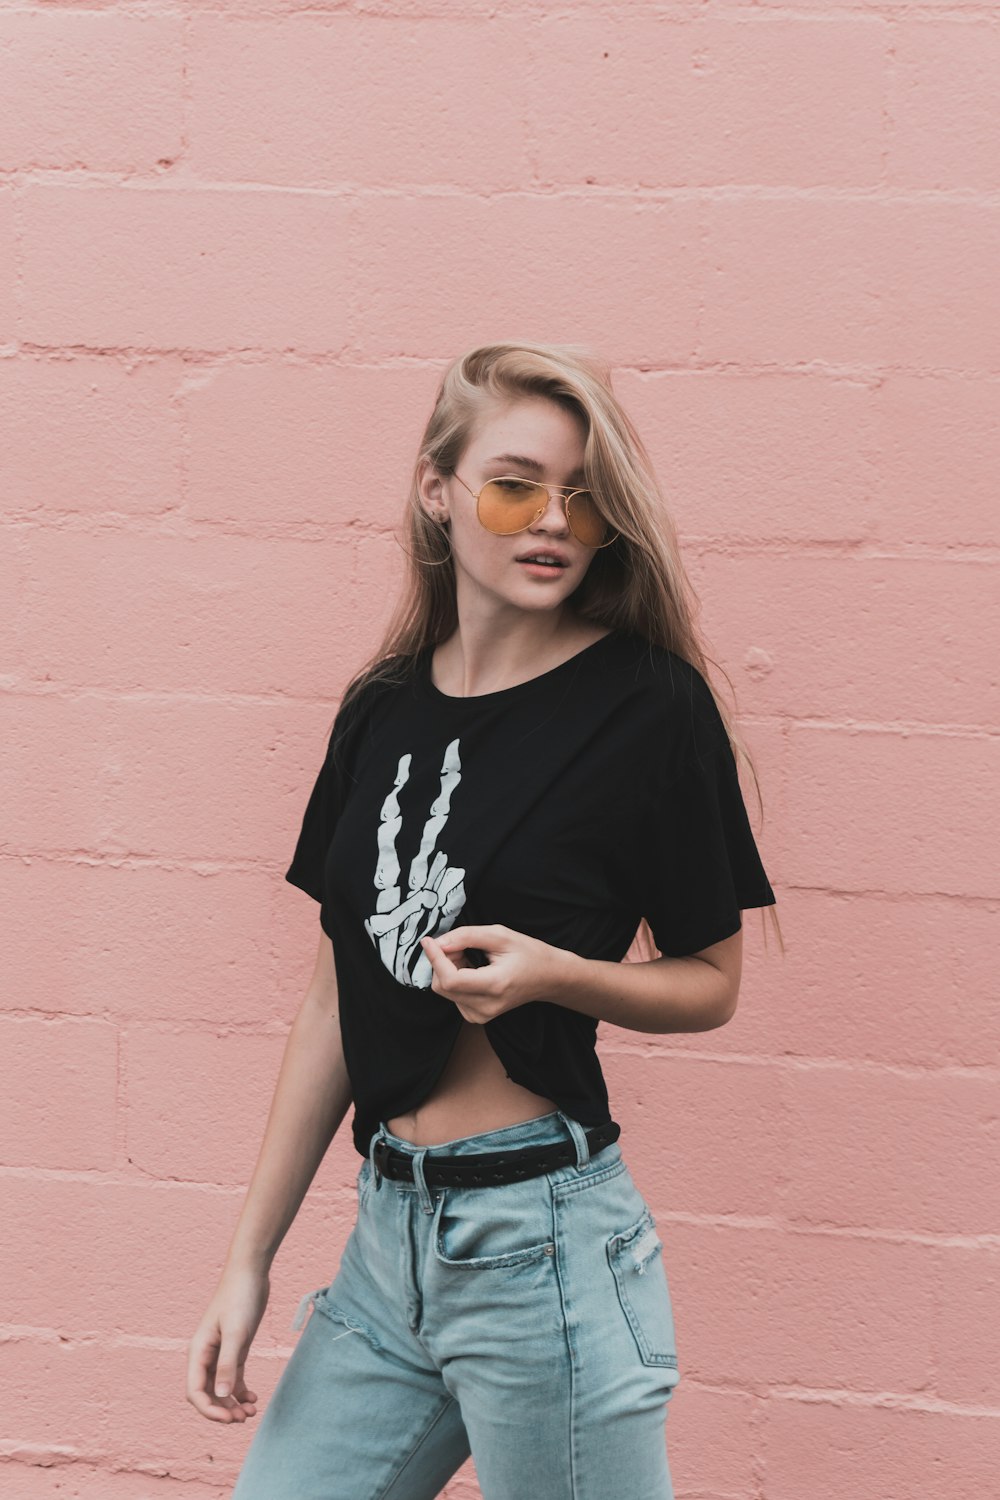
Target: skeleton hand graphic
436,895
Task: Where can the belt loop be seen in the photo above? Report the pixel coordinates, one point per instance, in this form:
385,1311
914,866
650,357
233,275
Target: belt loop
426,1202
376,1174
579,1135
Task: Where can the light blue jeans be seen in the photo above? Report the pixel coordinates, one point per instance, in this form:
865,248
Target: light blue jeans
528,1324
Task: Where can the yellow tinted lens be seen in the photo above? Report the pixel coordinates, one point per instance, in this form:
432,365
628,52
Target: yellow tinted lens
585,520
507,505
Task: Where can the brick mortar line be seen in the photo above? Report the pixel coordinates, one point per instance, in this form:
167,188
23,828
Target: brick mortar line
351,359
351,191
77,692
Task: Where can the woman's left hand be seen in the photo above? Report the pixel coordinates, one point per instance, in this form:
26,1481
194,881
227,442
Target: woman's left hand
518,969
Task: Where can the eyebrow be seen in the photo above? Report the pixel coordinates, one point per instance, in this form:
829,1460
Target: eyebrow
528,463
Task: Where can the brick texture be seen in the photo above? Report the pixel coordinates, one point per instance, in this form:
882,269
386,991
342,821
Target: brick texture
238,242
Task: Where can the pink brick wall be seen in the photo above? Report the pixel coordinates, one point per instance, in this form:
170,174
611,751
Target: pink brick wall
238,243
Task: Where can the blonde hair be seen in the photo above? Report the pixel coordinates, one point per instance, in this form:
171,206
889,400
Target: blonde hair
638,583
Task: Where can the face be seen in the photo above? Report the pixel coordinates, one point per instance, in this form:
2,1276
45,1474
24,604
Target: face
535,429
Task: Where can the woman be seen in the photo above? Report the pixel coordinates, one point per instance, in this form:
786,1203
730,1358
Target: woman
530,769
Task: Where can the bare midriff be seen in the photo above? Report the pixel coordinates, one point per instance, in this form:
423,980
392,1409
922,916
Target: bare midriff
473,1094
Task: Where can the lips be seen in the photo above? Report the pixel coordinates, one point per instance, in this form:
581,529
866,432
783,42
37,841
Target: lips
546,557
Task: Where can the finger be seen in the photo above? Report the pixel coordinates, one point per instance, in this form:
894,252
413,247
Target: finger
390,822
451,775
229,1408
461,963
419,879
201,1368
464,981
441,968
451,894
215,1411
387,868
444,969
202,1355
241,1402
433,877
229,1371
422,907
433,954
242,1391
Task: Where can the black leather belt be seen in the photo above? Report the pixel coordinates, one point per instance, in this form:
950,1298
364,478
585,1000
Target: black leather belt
488,1167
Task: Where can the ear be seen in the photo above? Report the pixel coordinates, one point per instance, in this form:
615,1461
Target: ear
431,490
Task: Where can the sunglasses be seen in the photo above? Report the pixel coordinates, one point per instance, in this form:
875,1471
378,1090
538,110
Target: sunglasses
509,504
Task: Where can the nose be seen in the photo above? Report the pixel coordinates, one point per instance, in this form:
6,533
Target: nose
554,512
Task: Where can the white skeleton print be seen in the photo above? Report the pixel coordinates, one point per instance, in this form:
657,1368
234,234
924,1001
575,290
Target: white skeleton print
436,895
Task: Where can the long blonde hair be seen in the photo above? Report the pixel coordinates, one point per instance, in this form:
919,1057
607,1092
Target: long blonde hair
638,584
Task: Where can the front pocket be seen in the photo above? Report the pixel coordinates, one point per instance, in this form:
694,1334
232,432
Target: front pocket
486,1229
636,1261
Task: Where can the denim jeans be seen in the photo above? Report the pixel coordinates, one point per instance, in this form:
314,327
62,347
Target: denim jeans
528,1324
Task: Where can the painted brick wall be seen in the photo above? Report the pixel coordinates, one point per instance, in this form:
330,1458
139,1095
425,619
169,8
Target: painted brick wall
238,244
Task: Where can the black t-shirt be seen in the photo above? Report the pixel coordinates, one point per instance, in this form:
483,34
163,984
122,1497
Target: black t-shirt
567,807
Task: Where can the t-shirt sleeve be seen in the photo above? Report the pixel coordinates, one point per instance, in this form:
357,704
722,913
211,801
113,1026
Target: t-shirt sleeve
326,801
704,866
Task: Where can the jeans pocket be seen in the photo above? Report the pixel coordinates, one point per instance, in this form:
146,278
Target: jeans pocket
363,1180
483,1229
636,1261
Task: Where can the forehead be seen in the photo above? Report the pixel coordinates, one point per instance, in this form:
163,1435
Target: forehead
538,438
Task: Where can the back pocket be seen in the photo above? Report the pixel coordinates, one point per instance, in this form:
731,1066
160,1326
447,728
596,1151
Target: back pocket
636,1261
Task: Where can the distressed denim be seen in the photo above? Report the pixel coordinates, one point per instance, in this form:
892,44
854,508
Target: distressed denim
528,1324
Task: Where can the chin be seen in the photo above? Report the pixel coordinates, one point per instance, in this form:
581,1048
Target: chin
540,606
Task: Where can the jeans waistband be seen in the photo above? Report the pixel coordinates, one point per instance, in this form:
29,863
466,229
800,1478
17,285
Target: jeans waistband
492,1157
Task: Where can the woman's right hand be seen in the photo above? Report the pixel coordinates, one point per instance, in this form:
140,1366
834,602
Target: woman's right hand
217,1353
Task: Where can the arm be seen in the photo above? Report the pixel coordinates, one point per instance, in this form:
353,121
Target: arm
310,1100
694,993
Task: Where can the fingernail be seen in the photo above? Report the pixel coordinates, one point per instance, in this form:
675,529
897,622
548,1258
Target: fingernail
222,1390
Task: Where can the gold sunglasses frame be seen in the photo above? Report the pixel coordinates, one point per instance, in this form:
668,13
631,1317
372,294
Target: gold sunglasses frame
520,479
